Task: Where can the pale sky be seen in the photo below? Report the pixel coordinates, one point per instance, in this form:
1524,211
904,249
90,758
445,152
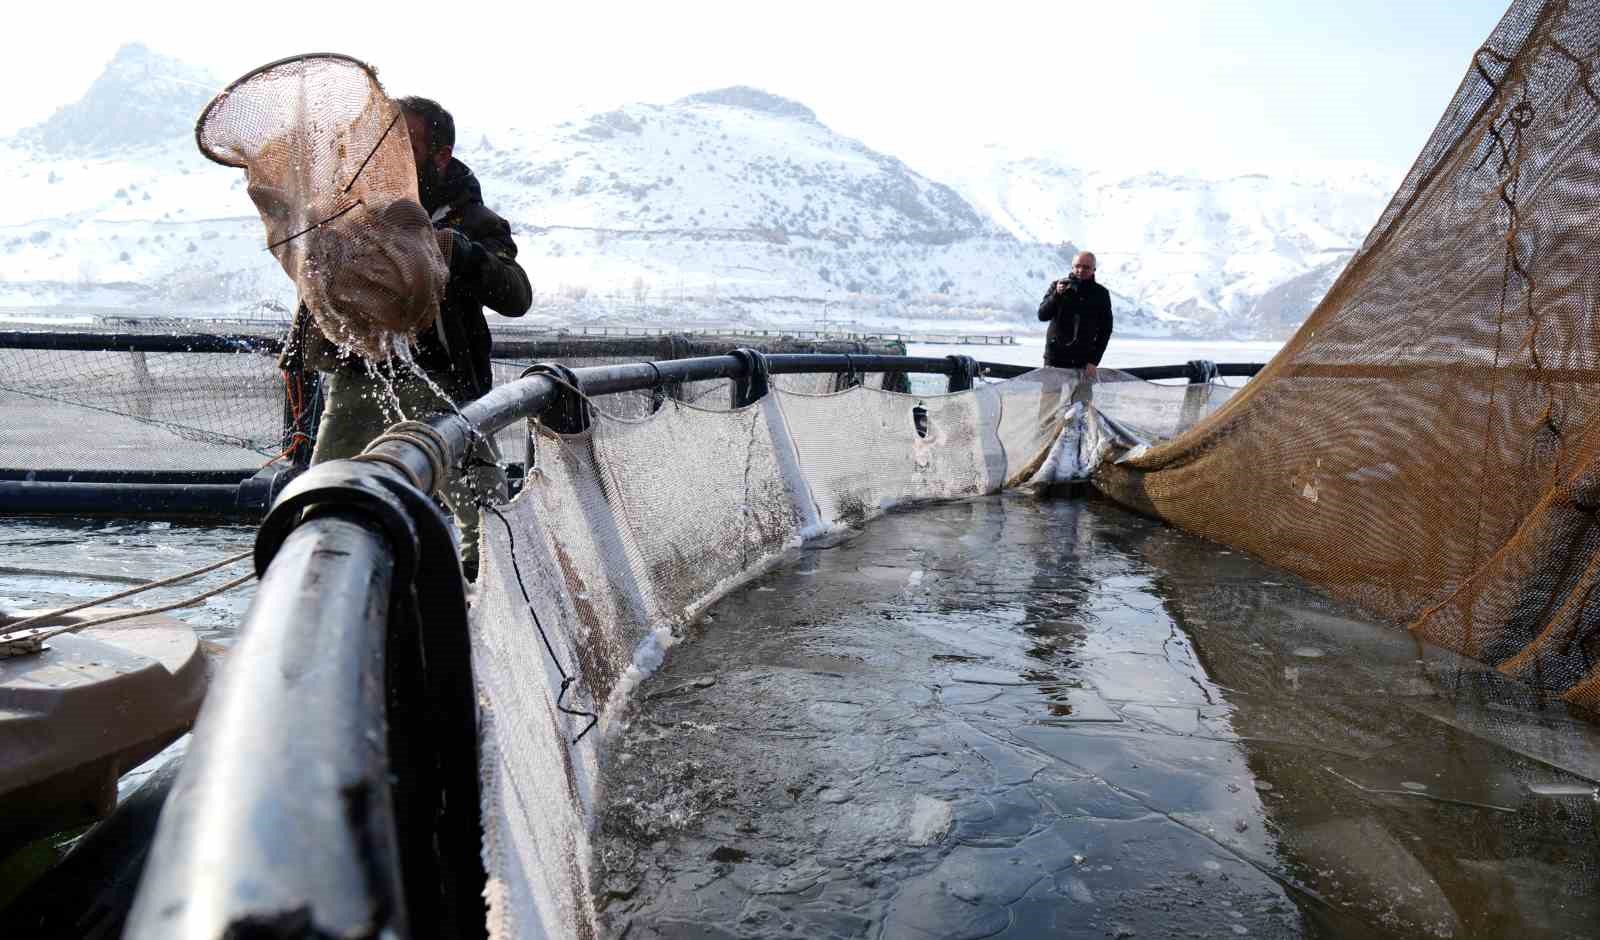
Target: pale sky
1181,85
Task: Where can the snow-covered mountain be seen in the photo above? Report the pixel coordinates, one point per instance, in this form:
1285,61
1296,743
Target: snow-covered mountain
141,98
1246,255
743,204
732,206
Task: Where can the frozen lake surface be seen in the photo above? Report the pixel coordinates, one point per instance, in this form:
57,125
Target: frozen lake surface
1006,717
1122,352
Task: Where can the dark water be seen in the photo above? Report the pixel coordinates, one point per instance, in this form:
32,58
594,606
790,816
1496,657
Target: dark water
53,562
1011,718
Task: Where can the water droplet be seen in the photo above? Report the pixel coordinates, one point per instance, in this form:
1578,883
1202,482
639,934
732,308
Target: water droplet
1413,785
1563,789
1308,652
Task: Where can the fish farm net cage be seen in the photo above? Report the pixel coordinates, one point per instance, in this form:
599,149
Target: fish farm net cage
1428,444
154,414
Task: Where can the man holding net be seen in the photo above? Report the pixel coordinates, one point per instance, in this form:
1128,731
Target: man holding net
452,355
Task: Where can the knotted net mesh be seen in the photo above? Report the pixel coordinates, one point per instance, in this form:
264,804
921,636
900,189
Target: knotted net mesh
330,169
1426,445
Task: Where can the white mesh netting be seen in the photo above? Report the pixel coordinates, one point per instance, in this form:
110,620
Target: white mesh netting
625,532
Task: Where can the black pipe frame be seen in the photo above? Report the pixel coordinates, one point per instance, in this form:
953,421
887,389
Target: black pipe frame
313,637
184,492
508,347
142,342
526,397
291,766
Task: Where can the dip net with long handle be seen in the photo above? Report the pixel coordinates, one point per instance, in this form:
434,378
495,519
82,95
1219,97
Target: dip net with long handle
329,167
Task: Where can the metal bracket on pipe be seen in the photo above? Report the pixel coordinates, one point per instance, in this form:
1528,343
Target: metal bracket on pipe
1201,371
22,644
850,378
756,381
963,371
569,412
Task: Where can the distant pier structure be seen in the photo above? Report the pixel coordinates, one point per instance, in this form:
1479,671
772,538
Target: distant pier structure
943,339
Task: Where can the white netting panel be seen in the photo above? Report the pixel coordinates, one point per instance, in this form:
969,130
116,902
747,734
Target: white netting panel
1156,412
861,452
624,532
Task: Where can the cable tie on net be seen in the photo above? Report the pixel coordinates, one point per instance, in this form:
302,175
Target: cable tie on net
567,680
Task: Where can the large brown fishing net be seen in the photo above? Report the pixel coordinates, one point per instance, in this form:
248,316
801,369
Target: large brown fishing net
329,167
1427,444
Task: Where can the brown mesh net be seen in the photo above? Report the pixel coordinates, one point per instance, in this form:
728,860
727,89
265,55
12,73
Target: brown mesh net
1426,445
330,170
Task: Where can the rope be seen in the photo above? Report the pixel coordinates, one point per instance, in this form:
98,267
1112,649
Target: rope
52,614
144,612
593,401
419,434
389,460
566,680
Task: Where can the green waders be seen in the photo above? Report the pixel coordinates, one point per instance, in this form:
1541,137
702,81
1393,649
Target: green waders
359,406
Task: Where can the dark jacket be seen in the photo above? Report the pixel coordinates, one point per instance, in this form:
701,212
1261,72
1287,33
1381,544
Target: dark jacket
1080,324
483,273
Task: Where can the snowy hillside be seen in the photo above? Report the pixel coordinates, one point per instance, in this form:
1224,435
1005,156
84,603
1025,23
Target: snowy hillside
743,204
729,206
1237,255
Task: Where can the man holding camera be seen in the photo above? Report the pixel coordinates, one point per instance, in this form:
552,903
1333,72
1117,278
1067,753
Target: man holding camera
1079,313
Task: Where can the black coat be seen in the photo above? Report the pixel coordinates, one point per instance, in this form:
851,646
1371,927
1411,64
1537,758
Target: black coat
1080,324
486,276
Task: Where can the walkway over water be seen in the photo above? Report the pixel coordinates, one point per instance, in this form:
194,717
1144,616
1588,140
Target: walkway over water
1014,718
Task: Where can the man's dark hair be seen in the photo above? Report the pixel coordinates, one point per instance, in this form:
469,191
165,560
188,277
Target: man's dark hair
441,126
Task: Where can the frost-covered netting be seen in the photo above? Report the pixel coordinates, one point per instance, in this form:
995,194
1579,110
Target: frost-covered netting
624,532
1427,444
67,409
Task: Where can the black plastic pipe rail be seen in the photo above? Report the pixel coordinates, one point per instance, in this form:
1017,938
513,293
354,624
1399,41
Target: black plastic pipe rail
331,787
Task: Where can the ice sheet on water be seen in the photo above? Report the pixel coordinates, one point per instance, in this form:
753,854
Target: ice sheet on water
1212,785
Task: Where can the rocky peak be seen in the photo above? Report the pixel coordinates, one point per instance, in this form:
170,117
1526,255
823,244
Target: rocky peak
141,98
752,99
